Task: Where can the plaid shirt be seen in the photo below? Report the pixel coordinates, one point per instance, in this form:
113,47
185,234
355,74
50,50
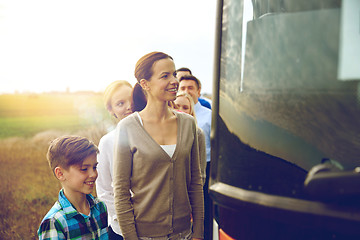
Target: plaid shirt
63,221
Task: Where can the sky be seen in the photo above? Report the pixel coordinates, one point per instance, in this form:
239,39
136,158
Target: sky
84,45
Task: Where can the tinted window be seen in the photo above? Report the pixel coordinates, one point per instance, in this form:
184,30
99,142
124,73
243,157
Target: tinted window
282,108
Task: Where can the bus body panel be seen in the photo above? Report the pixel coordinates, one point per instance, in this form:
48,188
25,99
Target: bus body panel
279,110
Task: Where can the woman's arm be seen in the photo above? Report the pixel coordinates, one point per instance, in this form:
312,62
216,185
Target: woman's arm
122,174
196,189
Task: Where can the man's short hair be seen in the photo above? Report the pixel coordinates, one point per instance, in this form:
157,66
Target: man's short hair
184,69
191,77
66,151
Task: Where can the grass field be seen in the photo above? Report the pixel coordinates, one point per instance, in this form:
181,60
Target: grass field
25,115
28,188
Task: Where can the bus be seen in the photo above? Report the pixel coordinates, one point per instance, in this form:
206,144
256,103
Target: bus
285,137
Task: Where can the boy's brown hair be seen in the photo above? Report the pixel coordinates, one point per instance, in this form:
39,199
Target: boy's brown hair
66,151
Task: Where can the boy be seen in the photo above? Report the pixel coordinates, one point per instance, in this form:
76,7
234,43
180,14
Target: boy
77,214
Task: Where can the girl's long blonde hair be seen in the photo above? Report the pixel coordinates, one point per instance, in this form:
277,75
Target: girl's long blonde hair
111,89
192,105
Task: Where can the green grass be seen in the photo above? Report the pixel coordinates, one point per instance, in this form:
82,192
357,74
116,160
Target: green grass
24,115
28,126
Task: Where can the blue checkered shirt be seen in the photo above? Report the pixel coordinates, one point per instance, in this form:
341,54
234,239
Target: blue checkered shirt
63,221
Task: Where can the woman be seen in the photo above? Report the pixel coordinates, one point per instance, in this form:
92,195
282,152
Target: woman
117,99
185,103
157,182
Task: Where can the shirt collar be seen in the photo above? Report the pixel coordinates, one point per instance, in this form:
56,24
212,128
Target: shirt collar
197,105
68,208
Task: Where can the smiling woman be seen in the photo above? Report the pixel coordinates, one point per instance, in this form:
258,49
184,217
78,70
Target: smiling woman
157,148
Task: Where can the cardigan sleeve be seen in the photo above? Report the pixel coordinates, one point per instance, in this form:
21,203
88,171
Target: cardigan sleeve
202,153
122,174
196,189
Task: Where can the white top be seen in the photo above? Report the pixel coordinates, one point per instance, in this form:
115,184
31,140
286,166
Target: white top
169,149
104,186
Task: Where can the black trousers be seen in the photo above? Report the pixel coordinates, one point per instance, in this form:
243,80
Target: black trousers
113,235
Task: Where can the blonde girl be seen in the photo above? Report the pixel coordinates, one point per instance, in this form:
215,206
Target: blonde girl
185,103
117,100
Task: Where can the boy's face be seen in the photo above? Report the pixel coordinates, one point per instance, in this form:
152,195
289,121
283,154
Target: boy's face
80,178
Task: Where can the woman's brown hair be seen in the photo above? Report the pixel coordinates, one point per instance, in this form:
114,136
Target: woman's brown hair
143,70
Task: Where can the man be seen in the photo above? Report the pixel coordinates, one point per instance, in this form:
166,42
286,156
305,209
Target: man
191,85
185,72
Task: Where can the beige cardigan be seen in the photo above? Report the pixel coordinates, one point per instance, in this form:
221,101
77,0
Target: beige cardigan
166,191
